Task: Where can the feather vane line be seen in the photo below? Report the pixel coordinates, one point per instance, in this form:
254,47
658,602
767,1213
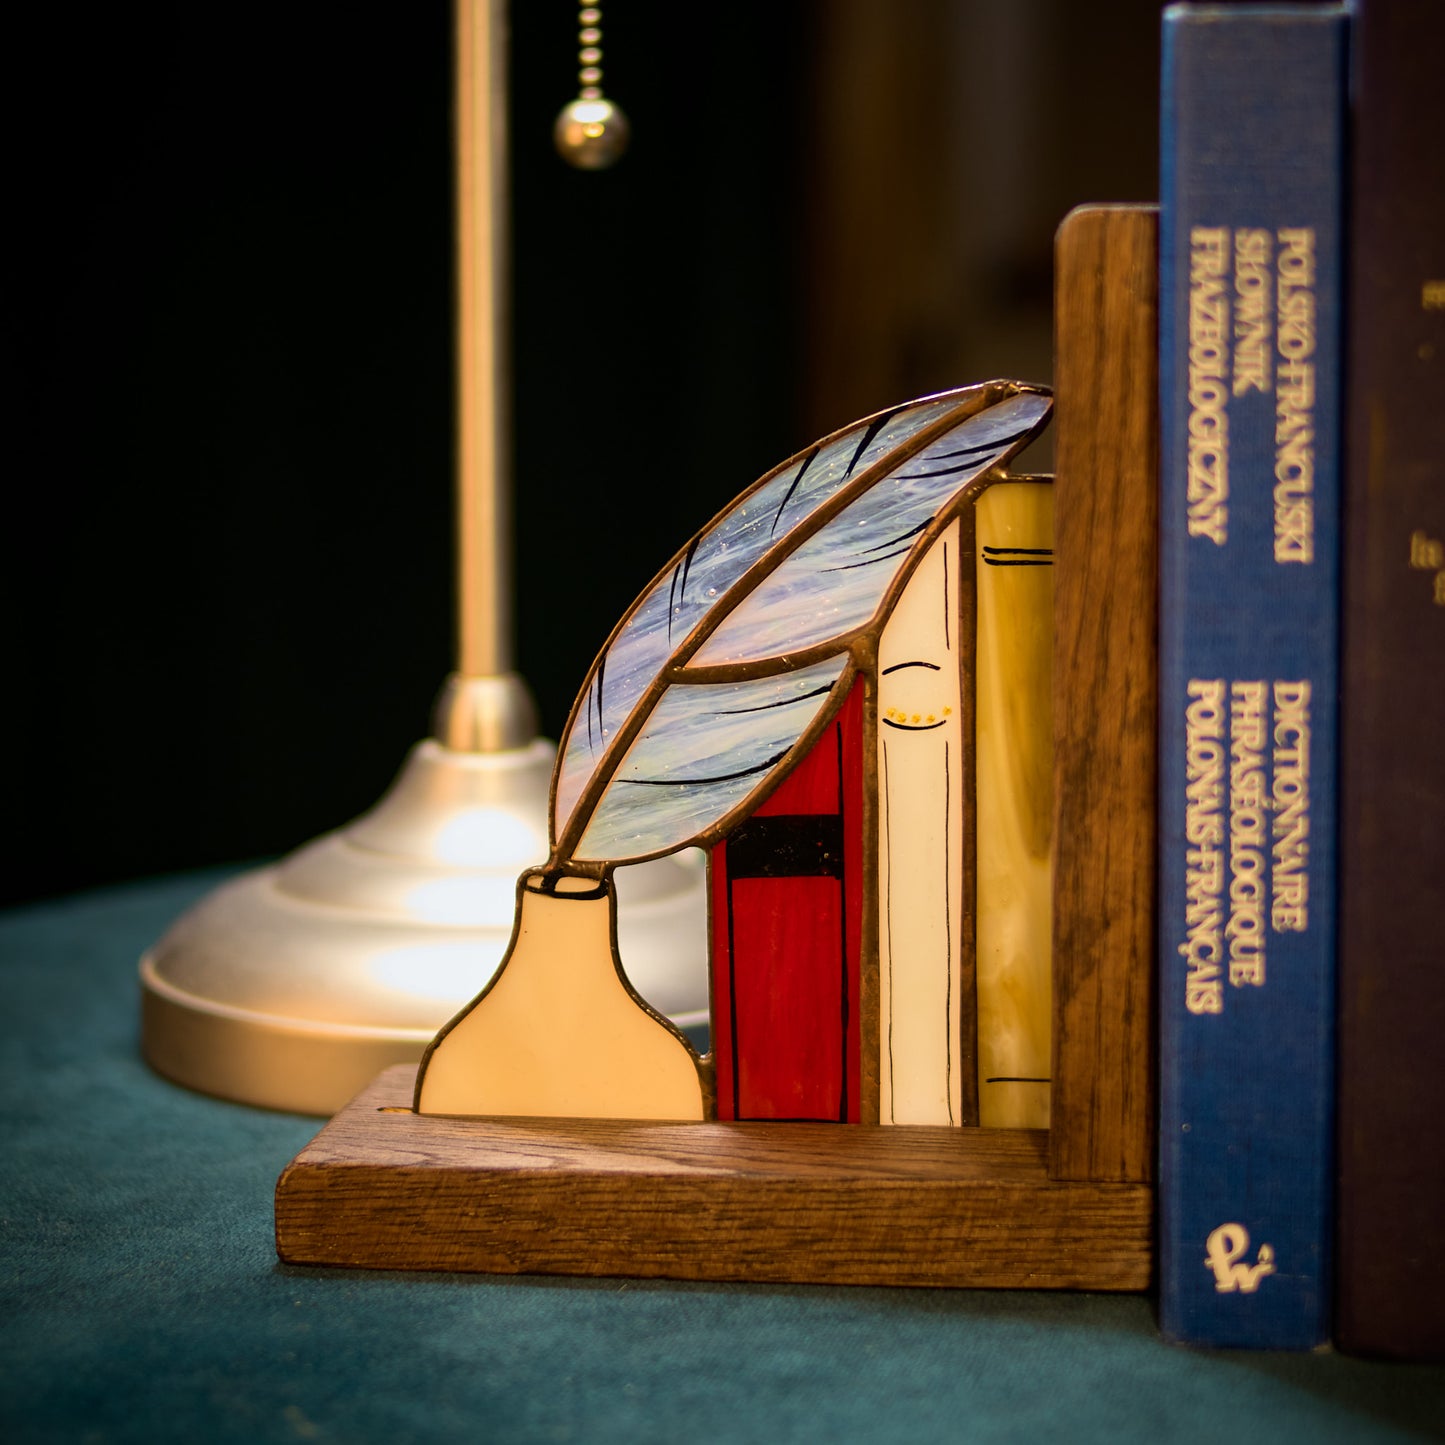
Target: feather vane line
779,585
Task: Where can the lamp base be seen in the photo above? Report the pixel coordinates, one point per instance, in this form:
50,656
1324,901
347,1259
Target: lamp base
292,986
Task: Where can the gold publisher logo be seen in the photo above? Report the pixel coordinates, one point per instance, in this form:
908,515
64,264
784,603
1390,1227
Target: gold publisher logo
1224,1250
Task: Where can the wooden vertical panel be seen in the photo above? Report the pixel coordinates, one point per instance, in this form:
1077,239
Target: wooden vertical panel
1105,693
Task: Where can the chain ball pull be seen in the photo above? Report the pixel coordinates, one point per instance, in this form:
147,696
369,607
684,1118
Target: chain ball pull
591,132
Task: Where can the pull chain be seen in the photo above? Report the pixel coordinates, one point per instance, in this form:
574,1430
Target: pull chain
590,133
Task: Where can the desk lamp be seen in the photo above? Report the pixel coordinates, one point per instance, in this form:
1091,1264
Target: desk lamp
293,985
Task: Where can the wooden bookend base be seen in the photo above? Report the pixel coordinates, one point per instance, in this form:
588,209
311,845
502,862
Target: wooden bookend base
383,1188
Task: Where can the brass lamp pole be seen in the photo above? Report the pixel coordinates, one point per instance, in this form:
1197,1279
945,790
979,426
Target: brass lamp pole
485,706
291,986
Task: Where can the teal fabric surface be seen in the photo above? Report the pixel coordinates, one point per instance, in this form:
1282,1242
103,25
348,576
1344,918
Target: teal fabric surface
142,1298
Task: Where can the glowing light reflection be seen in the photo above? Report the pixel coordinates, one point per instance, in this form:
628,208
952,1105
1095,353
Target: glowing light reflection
489,838
454,972
465,901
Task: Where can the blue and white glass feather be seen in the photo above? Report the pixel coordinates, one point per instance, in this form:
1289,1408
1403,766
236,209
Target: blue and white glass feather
667,612
700,755
835,582
766,579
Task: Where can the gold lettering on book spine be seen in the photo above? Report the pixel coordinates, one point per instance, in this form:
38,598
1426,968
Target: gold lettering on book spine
1427,554
1253,310
1248,843
1204,857
1291,797
1209,328
1294,429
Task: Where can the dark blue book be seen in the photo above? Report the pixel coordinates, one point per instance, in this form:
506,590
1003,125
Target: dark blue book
1251,203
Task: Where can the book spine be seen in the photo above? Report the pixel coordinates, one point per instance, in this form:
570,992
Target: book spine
1252,142
1391,1228
786,922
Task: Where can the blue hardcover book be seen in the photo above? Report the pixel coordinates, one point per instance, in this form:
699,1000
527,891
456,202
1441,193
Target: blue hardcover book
1252,166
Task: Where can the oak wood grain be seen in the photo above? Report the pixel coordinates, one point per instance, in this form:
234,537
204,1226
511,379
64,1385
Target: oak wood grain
1105,693
382,1187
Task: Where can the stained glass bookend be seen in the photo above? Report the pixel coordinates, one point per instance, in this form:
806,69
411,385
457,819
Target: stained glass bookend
790,694
927,1060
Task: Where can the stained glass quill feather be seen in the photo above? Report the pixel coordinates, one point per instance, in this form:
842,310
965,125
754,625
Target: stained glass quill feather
742,648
